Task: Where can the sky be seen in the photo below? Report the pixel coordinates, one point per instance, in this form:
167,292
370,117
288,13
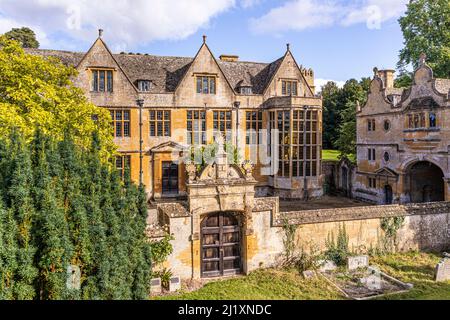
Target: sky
338,39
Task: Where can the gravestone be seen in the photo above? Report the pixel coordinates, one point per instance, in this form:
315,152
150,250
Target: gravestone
373,280
356,262
309,274
155,286
174,284
327,265
443,270
73,281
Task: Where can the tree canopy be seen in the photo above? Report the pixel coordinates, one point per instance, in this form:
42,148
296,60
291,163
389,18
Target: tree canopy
339,116
426,29
25,36
36,91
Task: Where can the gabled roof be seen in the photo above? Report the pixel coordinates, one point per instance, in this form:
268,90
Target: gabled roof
166,72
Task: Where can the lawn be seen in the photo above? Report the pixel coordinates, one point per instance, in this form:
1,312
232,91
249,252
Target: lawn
330,155
271,284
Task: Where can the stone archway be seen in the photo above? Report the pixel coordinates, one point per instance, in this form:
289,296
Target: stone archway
221,245
426,182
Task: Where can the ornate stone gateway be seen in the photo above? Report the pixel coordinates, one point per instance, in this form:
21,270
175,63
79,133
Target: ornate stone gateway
220,245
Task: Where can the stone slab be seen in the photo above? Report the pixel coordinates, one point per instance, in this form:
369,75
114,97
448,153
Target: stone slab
356,262
155,286
174,284
443,270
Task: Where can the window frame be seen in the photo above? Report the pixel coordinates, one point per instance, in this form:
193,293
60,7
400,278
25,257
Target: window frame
124,123
208,87
125,162
194,135
141,86
255,124
287,88
162,126
226,123
96,82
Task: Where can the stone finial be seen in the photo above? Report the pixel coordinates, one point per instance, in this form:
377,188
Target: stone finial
248,167
375,72
422,59
191,171
288,46
204,38
100,33
358,106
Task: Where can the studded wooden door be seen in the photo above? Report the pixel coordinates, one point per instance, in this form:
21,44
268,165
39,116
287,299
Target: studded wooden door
221,245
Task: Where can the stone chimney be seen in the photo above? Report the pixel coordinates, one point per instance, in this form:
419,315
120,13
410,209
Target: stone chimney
229,58
388,77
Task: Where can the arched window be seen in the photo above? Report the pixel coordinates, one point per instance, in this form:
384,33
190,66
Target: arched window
432,120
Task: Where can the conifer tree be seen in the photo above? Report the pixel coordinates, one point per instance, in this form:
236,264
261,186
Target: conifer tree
21,203
8,255
52,237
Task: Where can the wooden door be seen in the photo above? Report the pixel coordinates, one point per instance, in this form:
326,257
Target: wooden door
221,245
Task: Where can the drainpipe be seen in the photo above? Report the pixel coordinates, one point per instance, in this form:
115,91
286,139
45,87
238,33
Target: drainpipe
305,179
140,103
238,122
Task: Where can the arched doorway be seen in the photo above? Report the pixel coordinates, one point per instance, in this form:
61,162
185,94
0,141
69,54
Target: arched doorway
426,182
220,245
388,195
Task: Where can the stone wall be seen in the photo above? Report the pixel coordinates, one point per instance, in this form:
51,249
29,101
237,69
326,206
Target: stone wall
426,227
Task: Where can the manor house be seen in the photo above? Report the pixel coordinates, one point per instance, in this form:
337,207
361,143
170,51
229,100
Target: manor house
188,101
403,151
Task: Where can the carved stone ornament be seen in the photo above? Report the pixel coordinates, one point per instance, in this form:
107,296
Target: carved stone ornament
248,167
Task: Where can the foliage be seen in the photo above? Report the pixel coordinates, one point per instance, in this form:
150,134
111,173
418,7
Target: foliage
38,92
390,226
25,36
270,284
206,155
426,29
289,230
161,249
60,205
404,80
307,260
338,250
330,155
165,275
339,115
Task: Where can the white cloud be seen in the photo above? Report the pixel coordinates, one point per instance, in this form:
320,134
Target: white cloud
126,22
298,15
295,15
321,82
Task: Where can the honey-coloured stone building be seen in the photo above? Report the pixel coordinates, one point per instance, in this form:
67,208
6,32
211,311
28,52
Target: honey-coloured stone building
188,101
403,140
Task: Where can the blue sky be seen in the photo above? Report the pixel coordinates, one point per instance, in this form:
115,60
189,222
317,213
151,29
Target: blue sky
338,39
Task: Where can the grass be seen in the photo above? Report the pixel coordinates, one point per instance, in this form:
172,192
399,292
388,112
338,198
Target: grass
418,269
330,155
271,284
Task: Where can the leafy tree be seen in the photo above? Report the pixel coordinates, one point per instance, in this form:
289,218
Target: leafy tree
25,36
404,80
426,29
331,113
36,91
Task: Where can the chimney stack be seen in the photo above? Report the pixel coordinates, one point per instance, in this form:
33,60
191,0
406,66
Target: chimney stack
388,77
229,58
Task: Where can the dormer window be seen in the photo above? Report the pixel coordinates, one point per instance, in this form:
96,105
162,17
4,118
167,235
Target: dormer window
289,88
102,80
206,84
246,90
144,85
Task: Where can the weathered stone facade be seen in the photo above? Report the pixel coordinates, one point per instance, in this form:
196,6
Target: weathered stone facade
403,140
241,91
